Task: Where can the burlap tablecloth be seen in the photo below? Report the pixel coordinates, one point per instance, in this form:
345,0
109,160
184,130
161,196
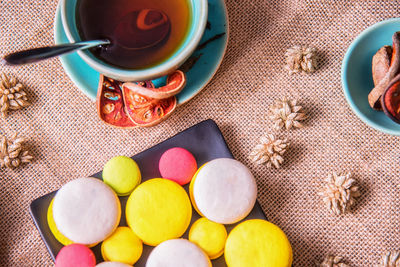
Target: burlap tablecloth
68,140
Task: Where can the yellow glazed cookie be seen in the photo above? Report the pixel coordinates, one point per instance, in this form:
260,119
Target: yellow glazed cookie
122,174
209,236
158,210
122,246
258,243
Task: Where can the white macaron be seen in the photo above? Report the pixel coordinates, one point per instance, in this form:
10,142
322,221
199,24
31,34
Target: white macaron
224,190
178,253
86,210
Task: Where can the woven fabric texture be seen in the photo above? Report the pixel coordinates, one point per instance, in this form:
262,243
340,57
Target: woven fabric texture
68,140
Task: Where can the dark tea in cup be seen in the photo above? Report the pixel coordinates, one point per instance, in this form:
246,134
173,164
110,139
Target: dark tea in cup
143,33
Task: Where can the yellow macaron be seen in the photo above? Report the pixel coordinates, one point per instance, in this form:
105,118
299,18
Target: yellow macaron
191,185
53,228
122,174
209,236
258,243
158,210
122,246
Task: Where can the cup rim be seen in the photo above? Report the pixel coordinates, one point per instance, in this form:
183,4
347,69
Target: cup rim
164,68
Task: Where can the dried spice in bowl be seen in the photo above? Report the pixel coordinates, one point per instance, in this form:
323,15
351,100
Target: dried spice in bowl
391,100
386,76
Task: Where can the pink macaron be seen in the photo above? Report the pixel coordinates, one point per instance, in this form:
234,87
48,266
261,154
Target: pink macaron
75,255
177,164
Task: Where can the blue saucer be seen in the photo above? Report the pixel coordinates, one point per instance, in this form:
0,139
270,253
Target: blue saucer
357,74
199,68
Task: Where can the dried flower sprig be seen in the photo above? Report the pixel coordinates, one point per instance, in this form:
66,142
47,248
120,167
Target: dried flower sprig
285,113
269,151
12,152
301,58
339,193
333,261
12,95
390,259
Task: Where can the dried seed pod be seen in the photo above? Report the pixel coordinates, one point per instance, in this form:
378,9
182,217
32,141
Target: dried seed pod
333,261
269,151
12,95
301,58
285,113
12,152
390,259
339,193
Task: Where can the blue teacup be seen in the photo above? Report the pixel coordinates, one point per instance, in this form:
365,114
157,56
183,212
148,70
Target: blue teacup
198,9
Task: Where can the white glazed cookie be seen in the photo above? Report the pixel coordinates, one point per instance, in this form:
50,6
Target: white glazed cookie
86,210
177,253
113,264
224,191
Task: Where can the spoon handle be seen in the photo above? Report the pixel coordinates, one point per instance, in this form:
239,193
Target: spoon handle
37,54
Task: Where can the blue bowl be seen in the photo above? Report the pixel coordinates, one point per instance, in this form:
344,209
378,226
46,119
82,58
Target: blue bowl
357,74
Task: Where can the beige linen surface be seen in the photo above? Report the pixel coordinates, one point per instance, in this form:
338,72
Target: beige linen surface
68,140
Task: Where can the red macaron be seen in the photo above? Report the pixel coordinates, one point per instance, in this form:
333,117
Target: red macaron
75,255
177,164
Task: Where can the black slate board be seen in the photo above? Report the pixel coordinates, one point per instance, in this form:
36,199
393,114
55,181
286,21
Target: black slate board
204,140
